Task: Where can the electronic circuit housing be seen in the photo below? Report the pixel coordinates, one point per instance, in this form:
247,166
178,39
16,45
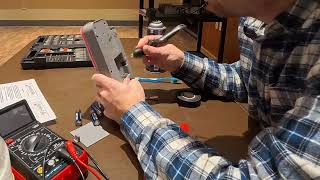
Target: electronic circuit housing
106,50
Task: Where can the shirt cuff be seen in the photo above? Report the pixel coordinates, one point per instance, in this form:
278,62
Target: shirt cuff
191,70
138,118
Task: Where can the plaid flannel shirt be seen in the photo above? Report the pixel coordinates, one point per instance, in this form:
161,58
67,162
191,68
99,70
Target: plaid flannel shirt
278,74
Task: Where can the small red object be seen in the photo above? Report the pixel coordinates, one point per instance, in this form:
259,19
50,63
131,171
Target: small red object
185,127
17,175
9,141
73,153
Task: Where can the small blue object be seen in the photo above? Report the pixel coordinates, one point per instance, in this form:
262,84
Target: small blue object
95,108
78,118
156,80
95,119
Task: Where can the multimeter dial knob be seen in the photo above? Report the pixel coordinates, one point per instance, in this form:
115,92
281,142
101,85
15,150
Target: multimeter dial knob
35,143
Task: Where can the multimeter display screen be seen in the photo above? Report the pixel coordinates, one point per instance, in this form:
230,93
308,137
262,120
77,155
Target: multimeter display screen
14,119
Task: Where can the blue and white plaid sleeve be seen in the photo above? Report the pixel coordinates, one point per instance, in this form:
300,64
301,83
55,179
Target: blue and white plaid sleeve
166,152
289,151
219,79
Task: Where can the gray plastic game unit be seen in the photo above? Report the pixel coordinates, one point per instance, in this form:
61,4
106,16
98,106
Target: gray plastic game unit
105,49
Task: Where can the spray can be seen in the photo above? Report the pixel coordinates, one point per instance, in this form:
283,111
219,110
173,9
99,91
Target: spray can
5,165
155,28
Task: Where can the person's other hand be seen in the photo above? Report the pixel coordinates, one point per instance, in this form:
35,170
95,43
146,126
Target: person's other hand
117,97
167,57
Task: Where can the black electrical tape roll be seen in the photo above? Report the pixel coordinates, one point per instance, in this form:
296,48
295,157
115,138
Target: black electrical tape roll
188,99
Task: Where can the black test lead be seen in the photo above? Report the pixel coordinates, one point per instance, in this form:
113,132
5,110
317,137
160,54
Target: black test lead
78,121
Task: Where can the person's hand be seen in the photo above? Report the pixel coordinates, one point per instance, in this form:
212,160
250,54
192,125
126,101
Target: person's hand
117,97
167,57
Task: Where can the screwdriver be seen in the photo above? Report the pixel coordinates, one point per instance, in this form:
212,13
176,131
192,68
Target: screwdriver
138,52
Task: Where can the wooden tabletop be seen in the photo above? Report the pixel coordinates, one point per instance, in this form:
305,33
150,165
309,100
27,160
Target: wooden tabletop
223,125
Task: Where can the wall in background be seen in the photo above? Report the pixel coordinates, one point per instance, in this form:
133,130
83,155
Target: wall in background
211,40
125,10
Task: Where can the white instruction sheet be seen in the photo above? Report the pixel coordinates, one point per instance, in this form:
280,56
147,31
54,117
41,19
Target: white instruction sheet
13,92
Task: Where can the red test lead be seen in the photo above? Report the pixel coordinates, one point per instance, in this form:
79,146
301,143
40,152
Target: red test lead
72,151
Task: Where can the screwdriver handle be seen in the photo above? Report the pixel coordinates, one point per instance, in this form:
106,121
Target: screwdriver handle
138,52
